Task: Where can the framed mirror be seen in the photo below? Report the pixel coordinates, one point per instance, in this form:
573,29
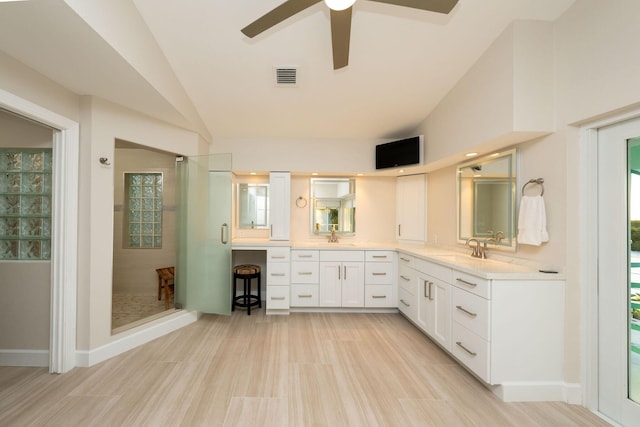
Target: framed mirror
487,200
333,206
253,206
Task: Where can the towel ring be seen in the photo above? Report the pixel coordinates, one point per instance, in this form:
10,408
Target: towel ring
538,181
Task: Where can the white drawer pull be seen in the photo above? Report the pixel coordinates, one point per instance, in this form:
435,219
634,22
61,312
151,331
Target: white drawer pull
305,296
405,259
277,298
379,296
278,274
305,273
464,282
379,274
406,279
467,312
469,352
403,301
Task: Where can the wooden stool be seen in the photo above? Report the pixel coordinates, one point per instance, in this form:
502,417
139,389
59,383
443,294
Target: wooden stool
165,279
246,272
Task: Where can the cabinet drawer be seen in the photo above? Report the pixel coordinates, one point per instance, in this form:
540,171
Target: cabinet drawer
277,297
304,255
379,256
404,259
407,279
305,295
470,350
434,270
472,284
472,312
305,272
278,254
278,273
407,304
342,256
378,273
379,296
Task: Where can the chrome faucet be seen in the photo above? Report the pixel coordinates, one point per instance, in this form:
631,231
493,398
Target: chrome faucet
333,238
478,251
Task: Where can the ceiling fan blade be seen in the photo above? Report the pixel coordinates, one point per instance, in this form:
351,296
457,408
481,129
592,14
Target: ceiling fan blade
340,37
277,15
440,6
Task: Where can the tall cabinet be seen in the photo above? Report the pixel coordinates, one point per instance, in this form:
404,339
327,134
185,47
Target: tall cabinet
411,208
279,205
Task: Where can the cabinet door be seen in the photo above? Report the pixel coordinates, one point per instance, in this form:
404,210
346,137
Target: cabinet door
330,284
411,208
353,284
434,309
279,205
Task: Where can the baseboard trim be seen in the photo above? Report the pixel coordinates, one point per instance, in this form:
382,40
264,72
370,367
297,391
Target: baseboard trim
135,337
21,357
539,392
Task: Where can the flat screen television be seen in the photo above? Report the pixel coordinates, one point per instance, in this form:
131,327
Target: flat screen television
403,152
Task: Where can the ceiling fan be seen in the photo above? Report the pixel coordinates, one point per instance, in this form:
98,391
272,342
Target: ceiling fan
340,20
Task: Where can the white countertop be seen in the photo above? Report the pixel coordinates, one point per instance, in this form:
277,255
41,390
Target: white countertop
485,268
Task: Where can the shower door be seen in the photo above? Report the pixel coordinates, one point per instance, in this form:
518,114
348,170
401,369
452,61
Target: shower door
203,269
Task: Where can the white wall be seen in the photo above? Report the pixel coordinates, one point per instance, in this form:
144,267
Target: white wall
25,286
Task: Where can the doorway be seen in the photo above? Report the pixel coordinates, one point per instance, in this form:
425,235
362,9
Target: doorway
618,287
144,240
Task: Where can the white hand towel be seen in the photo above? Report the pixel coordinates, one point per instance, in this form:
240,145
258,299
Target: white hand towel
532,221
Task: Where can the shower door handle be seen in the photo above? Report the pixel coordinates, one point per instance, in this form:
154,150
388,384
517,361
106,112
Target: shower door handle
224,236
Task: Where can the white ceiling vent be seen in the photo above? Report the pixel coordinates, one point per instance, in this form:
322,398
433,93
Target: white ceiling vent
286,76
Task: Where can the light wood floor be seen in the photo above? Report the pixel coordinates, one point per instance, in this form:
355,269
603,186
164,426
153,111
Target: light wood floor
297,370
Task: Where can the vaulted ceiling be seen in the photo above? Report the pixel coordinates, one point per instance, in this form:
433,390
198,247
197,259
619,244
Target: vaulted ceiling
186,62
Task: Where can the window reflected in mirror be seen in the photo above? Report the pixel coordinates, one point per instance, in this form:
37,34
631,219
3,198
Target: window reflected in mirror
333,206
487,200
253,206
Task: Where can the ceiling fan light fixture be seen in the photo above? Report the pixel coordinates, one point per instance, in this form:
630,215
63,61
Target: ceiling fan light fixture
339,4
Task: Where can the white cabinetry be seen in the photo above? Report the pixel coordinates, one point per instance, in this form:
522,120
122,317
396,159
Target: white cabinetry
509,333
434,301
411,208
407,287
379,279
278,279
305,278
341,279
279,205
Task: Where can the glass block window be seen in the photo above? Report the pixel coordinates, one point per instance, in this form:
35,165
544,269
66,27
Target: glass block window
25,204
144,209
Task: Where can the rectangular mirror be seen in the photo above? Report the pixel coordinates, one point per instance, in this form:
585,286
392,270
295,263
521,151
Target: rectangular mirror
487,200
333,206
253,206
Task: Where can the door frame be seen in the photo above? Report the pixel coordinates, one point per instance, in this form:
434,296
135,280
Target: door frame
588,248
64,227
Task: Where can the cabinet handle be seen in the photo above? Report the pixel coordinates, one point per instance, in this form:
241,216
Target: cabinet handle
278,274
424,286
399,233
305,273
406,279
469,352
277,298
338,272
379,256
464,282
223,239
345,272
380,296
305,296
278,257
378,274
402,301
405,259
271,230
305,256
467,312
430,293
